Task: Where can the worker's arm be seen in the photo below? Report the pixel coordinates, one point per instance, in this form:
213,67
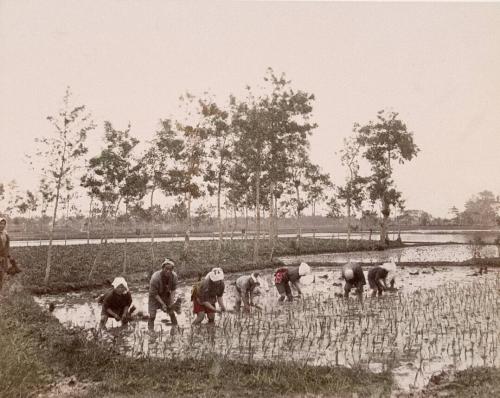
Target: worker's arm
125,313
384,283
296,285
162,303
221,303
109,311
209,305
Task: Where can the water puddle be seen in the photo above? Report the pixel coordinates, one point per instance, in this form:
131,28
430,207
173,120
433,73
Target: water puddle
452,252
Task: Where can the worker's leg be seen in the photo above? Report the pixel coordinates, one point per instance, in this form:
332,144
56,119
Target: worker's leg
211,317
347,289
104,319
288,291
199,318
237,303
152,309
170,311
281,290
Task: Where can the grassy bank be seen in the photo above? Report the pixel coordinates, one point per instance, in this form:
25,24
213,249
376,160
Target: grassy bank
88,266
470,383
36,350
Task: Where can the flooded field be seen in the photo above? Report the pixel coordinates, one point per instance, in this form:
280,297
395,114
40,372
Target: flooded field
439,319
417,236
452,252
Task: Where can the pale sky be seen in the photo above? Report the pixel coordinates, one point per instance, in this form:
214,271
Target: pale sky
437,64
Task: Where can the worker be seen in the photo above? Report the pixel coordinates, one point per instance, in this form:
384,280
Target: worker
209,293
285,276
162,287
116,303
245,288
378,277
353,275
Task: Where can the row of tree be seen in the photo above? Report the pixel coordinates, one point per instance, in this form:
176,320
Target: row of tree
250,154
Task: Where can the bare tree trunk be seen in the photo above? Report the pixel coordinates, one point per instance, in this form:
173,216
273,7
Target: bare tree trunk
188,224
257,213
51,233
348,223
235,215
313,213
219,219
299,231
89,220
383,223
152,229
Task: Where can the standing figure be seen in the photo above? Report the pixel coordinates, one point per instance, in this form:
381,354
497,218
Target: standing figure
245,287
162,292
4,250
116,303
353,275
284,276
378,277
208,293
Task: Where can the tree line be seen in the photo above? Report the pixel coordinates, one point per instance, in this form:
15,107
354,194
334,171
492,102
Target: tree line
251,154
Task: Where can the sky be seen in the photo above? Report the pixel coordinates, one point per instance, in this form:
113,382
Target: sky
437,64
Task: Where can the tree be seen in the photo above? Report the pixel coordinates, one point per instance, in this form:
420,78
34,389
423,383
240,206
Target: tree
333,207
271,128
220,137
111,174
157,160
60,154
14,198
384,140
352,193
249,150
287,120
481,209
185,176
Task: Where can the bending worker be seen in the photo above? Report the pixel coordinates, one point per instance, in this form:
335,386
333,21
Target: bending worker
379,275
116,303
284,276
353,275
209,292
245,287
162,292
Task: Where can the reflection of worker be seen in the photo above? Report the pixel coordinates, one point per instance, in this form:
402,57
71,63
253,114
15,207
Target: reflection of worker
116,303
245,288
284,276
209,292
353,275
378,277
162,291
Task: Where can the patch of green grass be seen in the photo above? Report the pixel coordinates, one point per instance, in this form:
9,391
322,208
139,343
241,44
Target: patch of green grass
72,265
38,348
474,382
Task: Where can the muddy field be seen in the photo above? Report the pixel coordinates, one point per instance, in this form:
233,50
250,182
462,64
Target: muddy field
439,319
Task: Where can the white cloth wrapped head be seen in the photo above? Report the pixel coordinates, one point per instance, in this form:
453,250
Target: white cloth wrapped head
304,269
119,281
348,274
391,269
216,275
